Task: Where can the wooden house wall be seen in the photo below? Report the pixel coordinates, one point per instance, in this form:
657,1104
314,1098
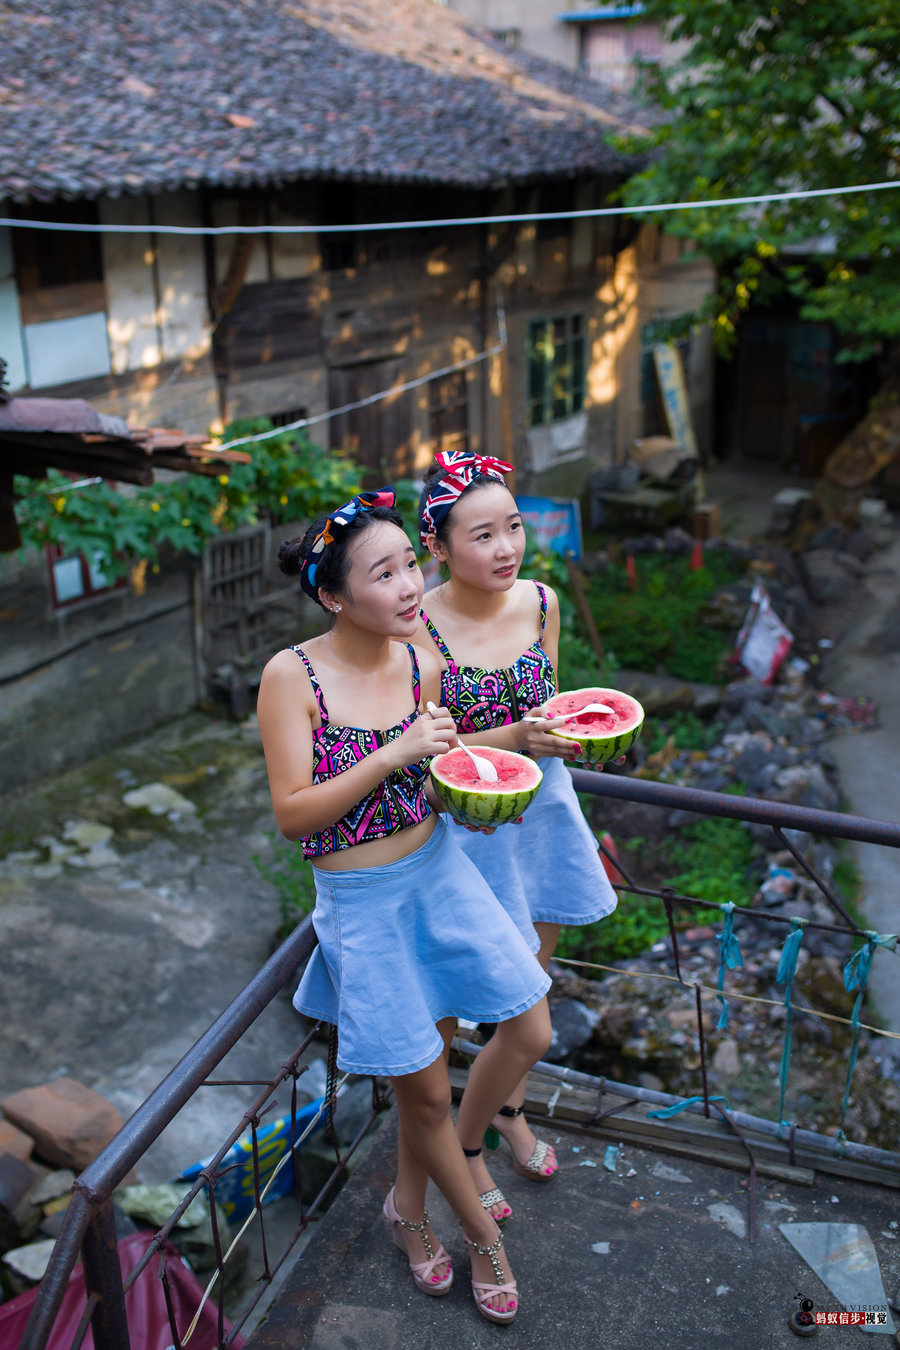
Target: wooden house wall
298,337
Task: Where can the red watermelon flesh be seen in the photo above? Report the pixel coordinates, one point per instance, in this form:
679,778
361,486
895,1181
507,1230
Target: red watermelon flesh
472,800
599,724
512,770
601,736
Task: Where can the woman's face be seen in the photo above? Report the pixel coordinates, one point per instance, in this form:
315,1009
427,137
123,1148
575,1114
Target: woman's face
486,540
384,585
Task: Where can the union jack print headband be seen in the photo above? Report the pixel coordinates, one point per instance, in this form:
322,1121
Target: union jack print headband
338,520
462,467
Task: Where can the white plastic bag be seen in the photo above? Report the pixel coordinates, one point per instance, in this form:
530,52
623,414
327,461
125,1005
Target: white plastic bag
764,641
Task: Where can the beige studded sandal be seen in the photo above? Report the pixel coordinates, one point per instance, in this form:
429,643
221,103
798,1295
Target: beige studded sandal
482,1292
533,1167
423,1272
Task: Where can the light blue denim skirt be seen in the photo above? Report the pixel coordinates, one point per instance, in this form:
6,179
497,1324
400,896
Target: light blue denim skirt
548,869
404,945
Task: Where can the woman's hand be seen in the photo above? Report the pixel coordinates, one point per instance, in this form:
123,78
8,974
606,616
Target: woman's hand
535,739
431,734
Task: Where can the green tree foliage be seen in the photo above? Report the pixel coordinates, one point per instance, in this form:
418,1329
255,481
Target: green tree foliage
772,98
288,478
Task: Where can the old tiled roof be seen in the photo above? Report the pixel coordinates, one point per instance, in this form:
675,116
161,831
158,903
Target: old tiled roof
111,96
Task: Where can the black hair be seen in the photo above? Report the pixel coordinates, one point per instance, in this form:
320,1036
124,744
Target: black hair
333,567
435,474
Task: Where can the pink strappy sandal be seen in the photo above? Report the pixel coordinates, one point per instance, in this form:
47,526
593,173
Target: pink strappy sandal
423,1272
482,1292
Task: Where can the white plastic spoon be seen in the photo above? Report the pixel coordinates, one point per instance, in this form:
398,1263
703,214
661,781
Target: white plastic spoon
483,767
588,708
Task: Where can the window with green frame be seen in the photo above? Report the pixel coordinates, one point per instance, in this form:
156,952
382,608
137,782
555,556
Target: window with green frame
556,371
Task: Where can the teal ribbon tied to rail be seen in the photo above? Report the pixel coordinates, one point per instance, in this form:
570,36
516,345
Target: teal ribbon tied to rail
665,1112
729,958
787,969
856,976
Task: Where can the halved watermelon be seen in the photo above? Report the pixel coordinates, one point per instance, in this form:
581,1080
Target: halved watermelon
472,801
602,736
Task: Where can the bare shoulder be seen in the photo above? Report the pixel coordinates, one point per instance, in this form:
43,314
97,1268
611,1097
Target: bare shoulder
528,589
427,657
286,671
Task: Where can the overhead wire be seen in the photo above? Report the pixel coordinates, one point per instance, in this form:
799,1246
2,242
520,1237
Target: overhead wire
504,218
374,226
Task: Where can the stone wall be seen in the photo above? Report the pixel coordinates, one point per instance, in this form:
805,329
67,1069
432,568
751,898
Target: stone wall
75,682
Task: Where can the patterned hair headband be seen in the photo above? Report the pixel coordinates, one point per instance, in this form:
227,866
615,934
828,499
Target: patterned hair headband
461,466
338,520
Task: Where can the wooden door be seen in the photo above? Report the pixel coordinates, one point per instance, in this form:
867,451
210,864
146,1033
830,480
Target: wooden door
379,435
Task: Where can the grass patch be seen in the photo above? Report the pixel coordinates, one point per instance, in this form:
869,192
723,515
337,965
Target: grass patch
663,625
686,730
292,877
711,860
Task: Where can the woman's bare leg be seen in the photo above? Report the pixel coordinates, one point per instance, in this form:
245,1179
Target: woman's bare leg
432,1149
412,1178
498,1069
516,1128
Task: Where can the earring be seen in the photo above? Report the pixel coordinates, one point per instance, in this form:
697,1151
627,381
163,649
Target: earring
337,609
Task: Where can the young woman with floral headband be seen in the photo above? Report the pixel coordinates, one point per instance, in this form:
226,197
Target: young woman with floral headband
497,638
410,936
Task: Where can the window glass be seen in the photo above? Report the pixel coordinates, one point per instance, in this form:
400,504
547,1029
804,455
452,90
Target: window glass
556,368
67,579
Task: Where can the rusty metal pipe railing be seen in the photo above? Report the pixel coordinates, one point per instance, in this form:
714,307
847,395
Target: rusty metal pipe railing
834,824
103,1280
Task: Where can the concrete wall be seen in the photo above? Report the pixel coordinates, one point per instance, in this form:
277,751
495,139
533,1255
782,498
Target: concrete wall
536,21
78,681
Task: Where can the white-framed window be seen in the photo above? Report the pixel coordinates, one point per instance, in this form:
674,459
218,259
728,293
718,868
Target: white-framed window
75,577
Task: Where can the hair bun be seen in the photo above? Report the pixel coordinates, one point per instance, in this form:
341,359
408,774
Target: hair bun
433,473
290,556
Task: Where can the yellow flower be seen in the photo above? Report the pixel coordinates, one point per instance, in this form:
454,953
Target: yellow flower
223,479
60,504
283,499
154,506
185,522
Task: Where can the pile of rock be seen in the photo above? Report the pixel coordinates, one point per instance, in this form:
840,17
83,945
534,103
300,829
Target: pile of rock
47,1135
50,1133
767,740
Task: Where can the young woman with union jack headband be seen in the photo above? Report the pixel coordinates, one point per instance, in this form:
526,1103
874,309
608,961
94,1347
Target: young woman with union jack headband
497,637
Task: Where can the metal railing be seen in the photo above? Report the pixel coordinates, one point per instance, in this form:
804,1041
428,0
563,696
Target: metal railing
89,1226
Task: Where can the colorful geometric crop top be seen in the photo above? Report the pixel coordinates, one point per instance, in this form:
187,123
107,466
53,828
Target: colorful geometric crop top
395,804
479,700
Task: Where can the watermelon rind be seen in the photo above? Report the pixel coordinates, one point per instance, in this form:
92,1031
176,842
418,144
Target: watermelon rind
603,748
488,804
